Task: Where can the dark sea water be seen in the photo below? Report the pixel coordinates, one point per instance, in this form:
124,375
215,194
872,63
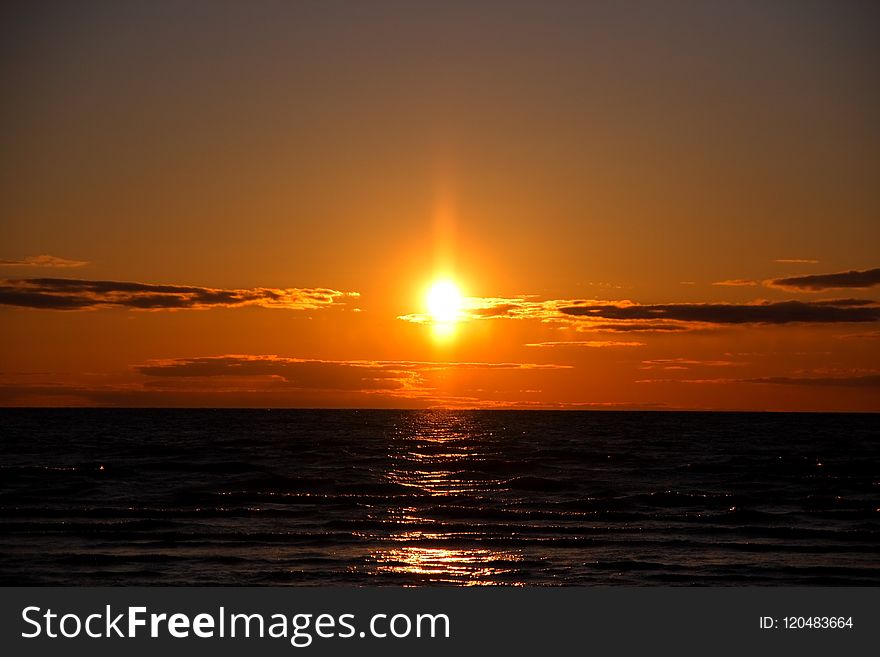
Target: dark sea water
105,497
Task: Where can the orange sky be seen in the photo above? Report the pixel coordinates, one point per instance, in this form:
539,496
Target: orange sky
662,205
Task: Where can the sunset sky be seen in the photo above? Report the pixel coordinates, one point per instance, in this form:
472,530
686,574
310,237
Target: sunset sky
643,205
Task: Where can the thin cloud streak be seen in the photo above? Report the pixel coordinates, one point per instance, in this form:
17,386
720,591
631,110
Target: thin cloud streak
737,282
44,261
685,363
864,381
867,335
596,344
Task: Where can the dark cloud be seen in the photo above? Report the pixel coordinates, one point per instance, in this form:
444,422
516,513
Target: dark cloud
627,316
845,279
43,261
779,312
638,327
75,294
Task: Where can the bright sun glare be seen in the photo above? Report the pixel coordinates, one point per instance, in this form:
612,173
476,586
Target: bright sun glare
445,302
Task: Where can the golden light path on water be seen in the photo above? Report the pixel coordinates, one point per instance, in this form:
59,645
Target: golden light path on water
468,567
429,455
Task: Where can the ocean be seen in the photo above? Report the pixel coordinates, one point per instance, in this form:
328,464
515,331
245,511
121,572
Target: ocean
419,498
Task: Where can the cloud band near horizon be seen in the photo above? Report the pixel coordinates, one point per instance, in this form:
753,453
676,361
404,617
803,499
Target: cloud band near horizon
403,379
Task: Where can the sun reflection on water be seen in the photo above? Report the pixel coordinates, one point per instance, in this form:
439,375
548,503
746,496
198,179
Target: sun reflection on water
473,567
433,454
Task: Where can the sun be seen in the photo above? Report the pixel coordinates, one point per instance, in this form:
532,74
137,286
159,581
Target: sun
445,302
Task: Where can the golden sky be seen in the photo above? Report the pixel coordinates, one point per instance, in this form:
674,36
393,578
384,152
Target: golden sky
642,205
